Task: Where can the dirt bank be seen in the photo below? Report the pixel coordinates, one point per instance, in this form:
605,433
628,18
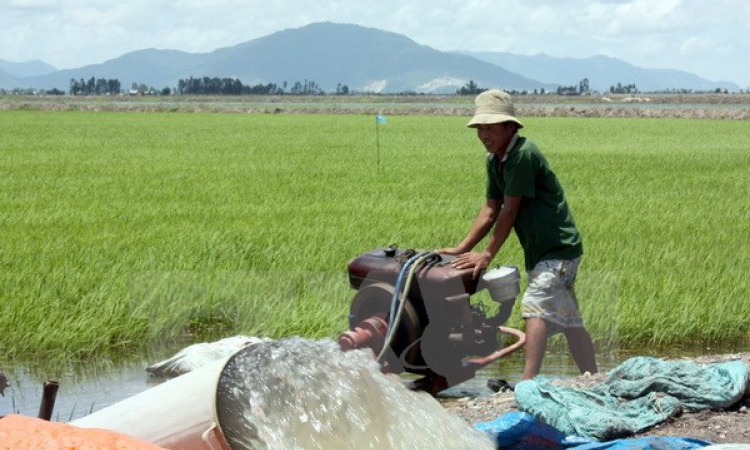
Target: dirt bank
679,106
661,112
725,426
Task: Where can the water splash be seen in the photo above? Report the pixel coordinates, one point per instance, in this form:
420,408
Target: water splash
299,394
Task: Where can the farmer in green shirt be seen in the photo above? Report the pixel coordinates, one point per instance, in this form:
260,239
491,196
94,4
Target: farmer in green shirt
524,194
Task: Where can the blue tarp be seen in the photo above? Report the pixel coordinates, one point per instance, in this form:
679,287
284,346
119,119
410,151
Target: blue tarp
646,443
518,431
522,431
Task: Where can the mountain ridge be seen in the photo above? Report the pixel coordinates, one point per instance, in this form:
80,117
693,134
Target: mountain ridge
26,68
364,59
601,71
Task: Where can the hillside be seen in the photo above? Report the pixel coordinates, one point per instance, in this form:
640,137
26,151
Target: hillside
601,71
8,81
26,69
152,67
365,59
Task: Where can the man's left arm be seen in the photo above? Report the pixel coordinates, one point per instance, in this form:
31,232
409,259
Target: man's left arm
480,260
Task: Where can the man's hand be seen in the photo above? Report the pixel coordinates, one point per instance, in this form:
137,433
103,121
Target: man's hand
476,260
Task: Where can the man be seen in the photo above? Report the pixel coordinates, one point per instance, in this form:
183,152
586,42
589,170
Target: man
523,193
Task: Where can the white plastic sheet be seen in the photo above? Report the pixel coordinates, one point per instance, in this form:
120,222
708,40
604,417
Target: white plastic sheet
198,355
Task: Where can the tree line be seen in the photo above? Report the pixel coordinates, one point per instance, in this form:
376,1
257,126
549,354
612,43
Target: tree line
583,88
94,86
201,86
223,86
233,86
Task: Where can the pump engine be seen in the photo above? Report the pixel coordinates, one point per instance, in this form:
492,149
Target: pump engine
414,311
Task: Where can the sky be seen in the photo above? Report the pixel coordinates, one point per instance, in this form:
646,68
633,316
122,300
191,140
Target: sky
710,38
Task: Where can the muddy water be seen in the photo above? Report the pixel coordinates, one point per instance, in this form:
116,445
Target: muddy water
85,388
300,394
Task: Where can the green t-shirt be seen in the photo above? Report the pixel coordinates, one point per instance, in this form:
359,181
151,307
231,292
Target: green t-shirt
544,225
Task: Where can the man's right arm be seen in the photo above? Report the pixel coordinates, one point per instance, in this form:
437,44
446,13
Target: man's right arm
482,225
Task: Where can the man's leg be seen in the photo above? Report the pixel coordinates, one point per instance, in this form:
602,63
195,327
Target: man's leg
536,346
582,349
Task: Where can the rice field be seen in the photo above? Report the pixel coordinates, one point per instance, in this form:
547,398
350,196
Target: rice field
119,230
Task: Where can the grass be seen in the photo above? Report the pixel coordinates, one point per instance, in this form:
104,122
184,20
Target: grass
119,230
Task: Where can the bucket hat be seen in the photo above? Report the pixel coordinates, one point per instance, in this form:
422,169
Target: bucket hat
493,106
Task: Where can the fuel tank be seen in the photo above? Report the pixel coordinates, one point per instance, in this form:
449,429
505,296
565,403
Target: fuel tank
435,280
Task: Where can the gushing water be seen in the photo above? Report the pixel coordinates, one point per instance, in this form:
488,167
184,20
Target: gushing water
299,394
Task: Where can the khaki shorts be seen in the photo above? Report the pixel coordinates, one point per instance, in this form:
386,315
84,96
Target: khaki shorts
551,294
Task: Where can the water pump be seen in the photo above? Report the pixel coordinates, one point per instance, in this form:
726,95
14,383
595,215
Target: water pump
414,311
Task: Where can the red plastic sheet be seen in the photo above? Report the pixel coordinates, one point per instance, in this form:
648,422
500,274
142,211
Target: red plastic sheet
27,433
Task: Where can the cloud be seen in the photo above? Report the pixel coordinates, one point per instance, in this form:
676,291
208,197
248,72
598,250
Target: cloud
640,16
29,5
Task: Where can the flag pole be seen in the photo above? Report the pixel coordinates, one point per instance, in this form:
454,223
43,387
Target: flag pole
377,139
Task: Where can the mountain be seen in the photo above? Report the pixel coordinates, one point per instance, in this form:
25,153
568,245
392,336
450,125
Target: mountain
26,69
601,71
8,81
364,59
157,68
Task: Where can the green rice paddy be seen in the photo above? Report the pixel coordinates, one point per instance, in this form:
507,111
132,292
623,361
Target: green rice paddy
119,230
